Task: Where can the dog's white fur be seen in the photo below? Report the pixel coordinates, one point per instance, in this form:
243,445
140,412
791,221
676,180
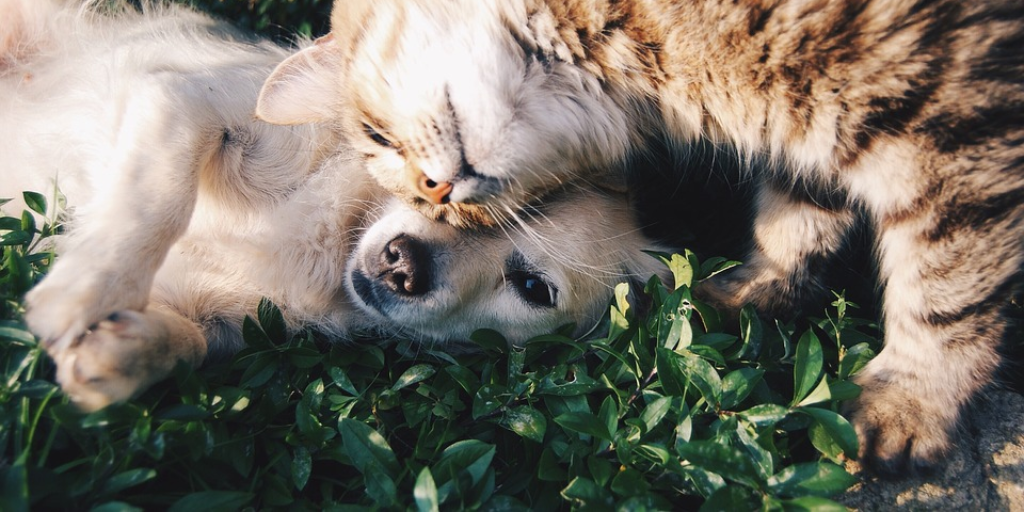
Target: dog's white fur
185,210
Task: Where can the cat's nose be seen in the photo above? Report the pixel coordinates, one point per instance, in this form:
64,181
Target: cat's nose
435,192
404,266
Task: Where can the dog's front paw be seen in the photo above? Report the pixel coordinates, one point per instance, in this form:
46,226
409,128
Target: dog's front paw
115,359
901,432
70,301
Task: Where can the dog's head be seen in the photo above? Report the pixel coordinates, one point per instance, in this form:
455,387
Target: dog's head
548,267
462,108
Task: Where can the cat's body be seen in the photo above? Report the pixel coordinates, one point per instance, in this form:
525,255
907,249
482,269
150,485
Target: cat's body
910,111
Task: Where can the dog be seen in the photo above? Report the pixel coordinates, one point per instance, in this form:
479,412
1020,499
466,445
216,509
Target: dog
184,211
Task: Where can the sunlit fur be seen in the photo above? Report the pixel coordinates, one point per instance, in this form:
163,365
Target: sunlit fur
184,210
909,111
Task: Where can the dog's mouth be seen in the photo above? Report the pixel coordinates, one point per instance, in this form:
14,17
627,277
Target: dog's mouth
367,294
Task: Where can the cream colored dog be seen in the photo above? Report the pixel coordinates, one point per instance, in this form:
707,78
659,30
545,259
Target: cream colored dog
184,210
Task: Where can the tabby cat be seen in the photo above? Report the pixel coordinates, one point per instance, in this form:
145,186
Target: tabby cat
910,111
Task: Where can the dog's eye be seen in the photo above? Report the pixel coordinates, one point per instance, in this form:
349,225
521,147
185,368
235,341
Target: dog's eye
375,136
533,289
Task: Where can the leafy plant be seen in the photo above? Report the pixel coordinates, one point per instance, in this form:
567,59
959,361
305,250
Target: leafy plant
656,411
280,19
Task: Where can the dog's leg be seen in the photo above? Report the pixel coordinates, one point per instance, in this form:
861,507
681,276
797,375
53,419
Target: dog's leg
125,353
146,188
794,236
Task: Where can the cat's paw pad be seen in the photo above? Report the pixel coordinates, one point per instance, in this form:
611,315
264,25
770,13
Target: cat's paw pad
899,434
112,360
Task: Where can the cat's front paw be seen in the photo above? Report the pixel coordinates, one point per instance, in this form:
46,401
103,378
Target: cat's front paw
114,360
901,432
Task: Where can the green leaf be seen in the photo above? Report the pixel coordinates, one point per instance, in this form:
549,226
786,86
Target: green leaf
732,498
584,493
271,320
821,393
367,448
655,412
842,390
35,201
28,222
716,265
630,482
811,478
340,377
838,428
468,456
379,485
303,357
466,378
527,422
212,501
415,374
765,415
182,412
14,484
302,467
425,492
126,479
674,330
809,361
689,368
717,340
488,398
824,443
855,358
680,266
752,333
260,370
622,298
115,506
253,334
579,384
729,462
584,423
737,385
812,504
609,413
16,332
490,340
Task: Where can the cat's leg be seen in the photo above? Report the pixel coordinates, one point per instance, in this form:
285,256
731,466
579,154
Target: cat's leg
795,235
948,264
145,191
122,355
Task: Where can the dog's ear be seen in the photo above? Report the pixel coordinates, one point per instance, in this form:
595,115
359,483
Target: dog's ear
302,89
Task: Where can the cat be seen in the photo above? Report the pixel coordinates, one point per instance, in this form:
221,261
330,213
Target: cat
907,113
184,211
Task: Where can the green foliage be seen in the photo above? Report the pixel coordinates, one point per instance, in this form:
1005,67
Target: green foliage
280,19
666,411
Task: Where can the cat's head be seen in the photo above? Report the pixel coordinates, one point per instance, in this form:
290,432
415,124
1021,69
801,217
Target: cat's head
466,109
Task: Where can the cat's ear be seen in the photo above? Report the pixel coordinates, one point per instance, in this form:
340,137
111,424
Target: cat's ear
302,89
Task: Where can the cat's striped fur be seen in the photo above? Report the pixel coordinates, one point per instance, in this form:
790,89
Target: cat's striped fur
911,111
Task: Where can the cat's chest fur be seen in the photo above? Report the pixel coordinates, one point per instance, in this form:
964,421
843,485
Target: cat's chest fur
818,85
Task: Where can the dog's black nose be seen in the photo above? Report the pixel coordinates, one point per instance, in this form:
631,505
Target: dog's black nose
404,266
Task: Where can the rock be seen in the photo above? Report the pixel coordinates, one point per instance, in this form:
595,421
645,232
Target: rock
985,471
